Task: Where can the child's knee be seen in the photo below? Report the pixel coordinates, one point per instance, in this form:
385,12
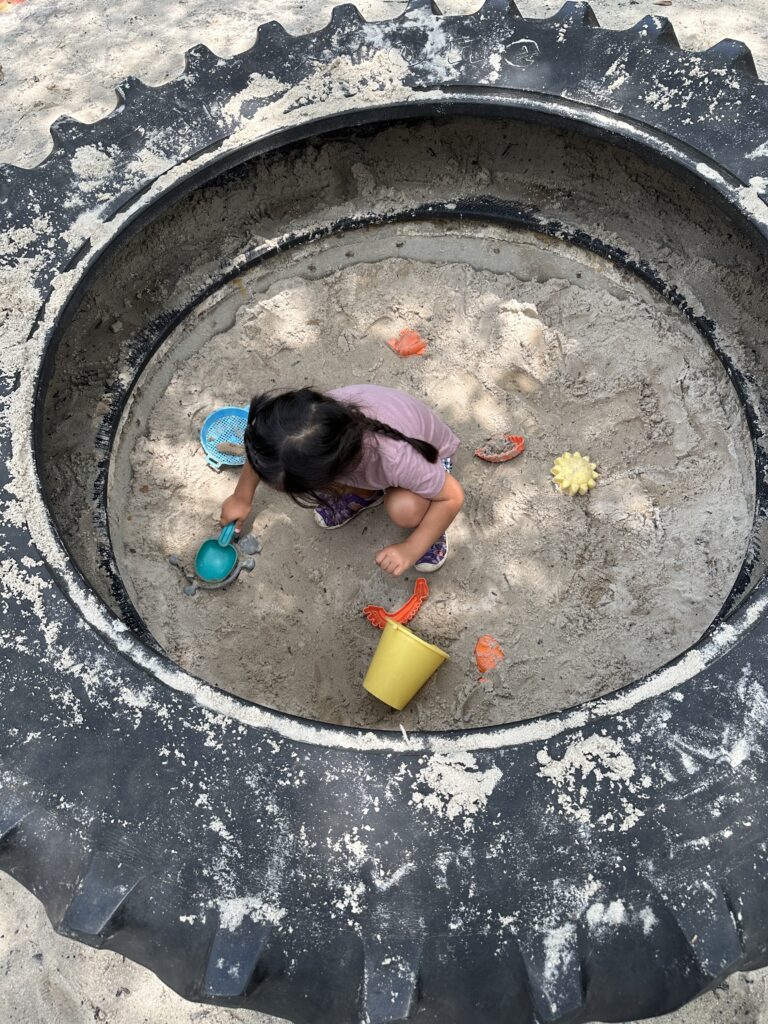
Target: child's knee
405,508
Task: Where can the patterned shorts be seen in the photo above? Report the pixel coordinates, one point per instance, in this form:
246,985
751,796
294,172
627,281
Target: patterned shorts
448,463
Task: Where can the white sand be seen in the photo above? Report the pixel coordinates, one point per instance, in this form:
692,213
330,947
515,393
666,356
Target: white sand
80,49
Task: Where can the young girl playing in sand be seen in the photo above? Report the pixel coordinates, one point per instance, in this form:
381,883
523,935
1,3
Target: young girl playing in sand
349,450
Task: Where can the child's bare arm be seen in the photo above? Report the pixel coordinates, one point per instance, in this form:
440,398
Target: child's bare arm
237,507
443,509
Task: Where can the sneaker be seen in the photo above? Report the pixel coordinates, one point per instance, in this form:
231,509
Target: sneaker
342,508
431,560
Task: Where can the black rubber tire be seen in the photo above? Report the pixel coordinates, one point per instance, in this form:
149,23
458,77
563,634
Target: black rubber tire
317,873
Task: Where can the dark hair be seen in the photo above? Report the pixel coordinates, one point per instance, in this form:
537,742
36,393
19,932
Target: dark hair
303,442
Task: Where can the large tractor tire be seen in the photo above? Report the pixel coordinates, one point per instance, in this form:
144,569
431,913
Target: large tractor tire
603,863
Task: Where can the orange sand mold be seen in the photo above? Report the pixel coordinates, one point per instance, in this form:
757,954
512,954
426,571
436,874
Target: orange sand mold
408,343
501,448
488,653
378,616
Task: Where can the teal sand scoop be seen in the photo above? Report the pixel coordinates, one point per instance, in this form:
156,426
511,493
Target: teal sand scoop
217,557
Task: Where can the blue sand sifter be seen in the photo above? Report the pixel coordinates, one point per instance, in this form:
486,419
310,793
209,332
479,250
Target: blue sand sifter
222,437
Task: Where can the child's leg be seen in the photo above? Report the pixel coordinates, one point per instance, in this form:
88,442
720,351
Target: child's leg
405,508
408,509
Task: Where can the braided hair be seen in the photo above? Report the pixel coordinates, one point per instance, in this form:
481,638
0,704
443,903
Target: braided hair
304,442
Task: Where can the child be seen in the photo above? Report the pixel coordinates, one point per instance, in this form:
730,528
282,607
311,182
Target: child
349,450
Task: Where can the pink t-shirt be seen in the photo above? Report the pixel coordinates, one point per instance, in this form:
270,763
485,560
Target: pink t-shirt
390,463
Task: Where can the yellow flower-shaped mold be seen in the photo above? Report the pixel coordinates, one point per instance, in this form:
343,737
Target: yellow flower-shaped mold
574,473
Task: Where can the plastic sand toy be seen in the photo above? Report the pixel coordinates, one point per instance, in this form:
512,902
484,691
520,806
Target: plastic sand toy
501,448
222,437
488,653
401,664
216,558
408,343
218,561
574,473
378,616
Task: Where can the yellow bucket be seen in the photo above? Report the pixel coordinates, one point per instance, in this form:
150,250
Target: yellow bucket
400,666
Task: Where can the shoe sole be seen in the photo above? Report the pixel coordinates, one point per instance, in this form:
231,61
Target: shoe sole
431,568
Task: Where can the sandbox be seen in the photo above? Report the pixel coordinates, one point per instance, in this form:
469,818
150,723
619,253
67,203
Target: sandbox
583,595
526,332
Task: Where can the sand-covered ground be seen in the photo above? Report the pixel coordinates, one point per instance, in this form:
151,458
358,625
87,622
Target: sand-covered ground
63,56
583,594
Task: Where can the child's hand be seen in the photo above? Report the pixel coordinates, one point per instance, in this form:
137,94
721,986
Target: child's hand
235,508
395,559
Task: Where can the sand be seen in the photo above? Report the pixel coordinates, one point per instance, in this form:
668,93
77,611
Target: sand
81,47
583,594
